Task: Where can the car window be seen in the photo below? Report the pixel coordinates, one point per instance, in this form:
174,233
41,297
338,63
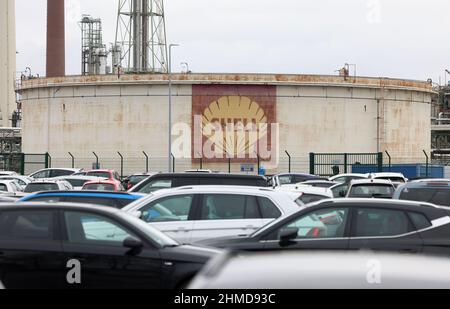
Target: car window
42,174
137,179
438,196
325,223
37,187
77,182
340,191
394,179
99,187
155,185
46,199
268,209
229,207
371,191
285,180
59,173
3,188
420,221
83,228
91,200
99,174
174,208
26,225
311,198
381,222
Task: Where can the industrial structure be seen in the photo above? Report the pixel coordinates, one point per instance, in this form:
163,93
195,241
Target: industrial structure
106,115
56,59
141,37
7,61
94,54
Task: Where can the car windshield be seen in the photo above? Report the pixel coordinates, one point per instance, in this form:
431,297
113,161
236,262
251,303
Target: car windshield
371,191
137,179
99,187
438,196
77,182
162,239
37,187
99,174
393,179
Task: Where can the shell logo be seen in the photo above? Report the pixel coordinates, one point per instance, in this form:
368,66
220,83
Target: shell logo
242,121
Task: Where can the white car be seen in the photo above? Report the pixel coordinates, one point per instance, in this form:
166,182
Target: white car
54,172
346,178
10,188
190,214
22,181
48,185
307,193
397,178
6,173
371,188
78,182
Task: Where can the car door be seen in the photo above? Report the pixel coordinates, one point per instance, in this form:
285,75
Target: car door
172,215
384,229
222,215
321,229
31,254
96,243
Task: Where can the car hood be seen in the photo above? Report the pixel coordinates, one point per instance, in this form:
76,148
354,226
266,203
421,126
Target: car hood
190,253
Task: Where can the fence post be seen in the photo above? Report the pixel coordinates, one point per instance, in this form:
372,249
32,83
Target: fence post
121,165
345,163
73,159
22,164
48,160
312,163
229,165
97,163
259,163
390,160
201,163
290,161
173,164
146,162
380,162
428,162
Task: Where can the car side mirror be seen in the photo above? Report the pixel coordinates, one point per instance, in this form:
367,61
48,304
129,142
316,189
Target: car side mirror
287,235
133,243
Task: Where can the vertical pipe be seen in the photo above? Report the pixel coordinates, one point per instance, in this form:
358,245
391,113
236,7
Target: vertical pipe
146,162
289,156
73,159
56,62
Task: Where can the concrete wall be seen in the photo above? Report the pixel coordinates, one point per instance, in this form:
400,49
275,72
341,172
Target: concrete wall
82,116
7,61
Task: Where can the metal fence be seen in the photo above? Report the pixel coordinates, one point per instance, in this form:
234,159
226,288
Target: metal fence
329,164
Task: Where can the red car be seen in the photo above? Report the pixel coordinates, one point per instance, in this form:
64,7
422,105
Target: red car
103,185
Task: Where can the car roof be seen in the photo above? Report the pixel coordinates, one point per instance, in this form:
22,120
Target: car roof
370,181
100,181
357,202
225,189
100,171
386,175
206,175
56,206
306,190
317,269
87,192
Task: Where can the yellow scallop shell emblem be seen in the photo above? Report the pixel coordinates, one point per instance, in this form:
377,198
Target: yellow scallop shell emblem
232,110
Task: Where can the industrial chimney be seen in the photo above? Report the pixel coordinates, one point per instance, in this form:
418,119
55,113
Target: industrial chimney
56,59
7,61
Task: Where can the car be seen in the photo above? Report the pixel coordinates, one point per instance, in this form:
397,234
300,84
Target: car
111,175
291,179
371,188
48,185
22,181
188,214
111,199
322,270
10,188
83,246
78,182
176,180
133,180
308,194
396,178
53,173
319,183
352,224
103,185
436,191
340,190
346,178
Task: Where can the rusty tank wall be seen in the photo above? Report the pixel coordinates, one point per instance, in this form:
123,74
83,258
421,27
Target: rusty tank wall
104,114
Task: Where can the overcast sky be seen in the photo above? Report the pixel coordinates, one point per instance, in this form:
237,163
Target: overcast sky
391,38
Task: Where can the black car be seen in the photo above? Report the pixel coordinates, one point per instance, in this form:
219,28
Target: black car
75,246
353,224
176,180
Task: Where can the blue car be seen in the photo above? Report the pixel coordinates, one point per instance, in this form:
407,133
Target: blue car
435,191
112,199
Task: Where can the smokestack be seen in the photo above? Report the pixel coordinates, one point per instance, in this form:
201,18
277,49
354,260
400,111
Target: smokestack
7,61
56,50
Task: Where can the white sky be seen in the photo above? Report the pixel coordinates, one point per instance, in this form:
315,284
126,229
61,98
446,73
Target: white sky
392,38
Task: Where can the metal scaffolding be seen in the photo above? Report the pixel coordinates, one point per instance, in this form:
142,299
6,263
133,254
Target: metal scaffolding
93,53
141,34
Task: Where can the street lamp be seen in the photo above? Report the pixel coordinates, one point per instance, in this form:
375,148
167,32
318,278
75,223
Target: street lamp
170,104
